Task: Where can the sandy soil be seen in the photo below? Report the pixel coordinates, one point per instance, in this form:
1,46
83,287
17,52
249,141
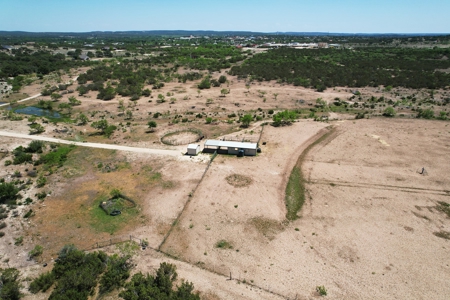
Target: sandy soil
361,234
366,231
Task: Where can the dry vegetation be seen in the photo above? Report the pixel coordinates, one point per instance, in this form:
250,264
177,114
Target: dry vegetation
238,180
369,222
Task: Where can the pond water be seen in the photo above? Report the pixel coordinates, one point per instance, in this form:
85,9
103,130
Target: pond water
36,111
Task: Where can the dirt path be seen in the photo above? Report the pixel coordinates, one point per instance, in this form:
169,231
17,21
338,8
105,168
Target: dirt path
26,99
92,145
35,96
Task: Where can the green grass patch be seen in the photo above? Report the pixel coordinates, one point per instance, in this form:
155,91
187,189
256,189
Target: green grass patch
295,193
62,119
103,222
295,189
57,157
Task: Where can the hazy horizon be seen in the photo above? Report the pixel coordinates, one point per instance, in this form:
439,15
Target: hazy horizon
347,16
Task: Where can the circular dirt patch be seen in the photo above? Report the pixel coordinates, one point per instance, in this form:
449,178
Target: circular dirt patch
238,180
183,137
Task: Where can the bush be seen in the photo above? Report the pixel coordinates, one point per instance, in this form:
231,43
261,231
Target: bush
41,195
223,244
37,251
41,181
8,193
20,156
2,225
117,272
10,288
77,273
321,290
147,286
42,283
205,84
426,113
389,112
58,157
35,147
30,213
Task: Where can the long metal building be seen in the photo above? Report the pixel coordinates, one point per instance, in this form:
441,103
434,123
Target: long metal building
230,147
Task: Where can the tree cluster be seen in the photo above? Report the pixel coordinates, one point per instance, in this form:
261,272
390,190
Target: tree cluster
322,68
41,62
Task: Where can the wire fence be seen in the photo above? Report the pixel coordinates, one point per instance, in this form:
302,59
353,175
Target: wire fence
116,240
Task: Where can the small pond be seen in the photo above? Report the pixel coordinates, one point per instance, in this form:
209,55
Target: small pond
36,111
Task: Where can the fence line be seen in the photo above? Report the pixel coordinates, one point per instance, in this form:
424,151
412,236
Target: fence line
115,241
260,135
191,194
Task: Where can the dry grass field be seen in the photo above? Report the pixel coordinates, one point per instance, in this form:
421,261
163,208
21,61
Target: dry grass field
371,226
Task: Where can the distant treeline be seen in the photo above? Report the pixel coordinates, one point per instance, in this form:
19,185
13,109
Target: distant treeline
323,68
25,61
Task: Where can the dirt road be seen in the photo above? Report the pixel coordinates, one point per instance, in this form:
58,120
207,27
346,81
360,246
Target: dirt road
92,145
26,99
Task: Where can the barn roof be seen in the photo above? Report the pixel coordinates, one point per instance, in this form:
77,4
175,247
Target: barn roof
230,144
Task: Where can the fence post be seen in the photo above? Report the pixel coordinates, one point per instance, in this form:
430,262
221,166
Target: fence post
97,244
130,238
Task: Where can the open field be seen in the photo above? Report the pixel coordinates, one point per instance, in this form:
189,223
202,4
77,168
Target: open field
366,230
371,226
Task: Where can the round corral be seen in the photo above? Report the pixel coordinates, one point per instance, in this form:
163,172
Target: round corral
182,137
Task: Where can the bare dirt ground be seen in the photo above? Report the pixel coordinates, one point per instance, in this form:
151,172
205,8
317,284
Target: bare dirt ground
366,231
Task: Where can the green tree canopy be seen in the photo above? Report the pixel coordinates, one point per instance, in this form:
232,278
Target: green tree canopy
158,287
284,118
389,112
246,120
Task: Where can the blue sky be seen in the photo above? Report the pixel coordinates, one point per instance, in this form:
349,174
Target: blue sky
346,16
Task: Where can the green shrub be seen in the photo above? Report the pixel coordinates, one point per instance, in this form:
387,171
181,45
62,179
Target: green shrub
35,147
223,244
10,285
41,181
21,157
146,286
58,157
321,290
117,272
8,193
30,213
425,113
41,195
42,283
37,251
18,241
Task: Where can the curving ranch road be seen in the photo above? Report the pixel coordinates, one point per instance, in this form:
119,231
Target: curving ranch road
92,145
26,99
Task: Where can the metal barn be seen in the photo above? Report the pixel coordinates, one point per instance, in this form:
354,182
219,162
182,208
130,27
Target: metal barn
230,147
